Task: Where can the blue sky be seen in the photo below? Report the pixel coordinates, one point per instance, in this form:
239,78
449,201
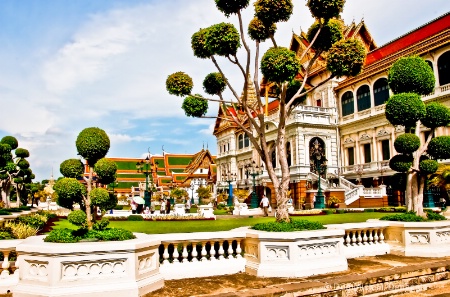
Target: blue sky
67,65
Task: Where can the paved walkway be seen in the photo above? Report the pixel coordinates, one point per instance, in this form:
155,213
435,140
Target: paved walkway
360,269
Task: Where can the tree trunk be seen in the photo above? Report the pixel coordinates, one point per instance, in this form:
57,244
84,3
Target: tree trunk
88,198
421,187
408,192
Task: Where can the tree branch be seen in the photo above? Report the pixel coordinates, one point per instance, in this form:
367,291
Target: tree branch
226,80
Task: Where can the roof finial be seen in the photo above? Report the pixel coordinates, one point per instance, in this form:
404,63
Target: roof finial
203,145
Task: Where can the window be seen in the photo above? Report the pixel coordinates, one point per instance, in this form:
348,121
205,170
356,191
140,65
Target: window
274,159
288,153
351,156
241,141
347,103
363,98
444,69
385,149
381,91
246,141
367,153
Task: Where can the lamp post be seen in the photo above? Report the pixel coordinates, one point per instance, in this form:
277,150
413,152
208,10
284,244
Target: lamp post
229,178
254,170
320,161
192,189
171,186
145,167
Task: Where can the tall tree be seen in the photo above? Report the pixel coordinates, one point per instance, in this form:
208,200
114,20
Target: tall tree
279,66
92,145
15,170
409,78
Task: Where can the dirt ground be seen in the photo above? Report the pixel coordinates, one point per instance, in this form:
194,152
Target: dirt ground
242,281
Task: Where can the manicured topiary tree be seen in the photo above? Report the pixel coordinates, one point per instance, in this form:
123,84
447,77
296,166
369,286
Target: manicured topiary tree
15,170
279,66
409,78
92,145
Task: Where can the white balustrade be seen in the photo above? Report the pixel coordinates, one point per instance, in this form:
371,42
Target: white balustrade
363,239
9,275
184,255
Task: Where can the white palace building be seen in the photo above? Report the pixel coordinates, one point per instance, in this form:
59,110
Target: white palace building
346,117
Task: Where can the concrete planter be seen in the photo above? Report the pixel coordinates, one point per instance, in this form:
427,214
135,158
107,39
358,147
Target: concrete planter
421,239
206,211
294,254
119,268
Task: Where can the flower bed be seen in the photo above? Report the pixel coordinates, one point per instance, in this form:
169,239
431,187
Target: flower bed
308,212
174,217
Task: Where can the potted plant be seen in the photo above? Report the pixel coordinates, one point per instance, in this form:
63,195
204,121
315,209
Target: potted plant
333,201
179,195
241,194
204,195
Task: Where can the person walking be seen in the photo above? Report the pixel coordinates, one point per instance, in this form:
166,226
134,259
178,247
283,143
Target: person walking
265,205
167,206
162,208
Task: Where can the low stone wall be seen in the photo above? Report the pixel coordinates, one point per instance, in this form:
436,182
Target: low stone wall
125,268
422,239
294,254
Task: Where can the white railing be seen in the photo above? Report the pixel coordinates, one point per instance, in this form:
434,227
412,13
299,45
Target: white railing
346,183
363,239
372,192
351,196
185,255
10,269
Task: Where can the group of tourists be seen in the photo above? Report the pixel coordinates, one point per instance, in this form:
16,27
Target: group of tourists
139,208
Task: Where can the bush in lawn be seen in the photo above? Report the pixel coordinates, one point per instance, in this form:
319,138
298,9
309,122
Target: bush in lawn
135,218
4,212
60,235
369,210
78,218
409,216
294,225
328,211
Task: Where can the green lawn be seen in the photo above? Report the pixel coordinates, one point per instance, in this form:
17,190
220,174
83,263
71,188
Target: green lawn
224,224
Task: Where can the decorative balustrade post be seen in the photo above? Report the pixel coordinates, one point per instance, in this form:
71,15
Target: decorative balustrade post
230,249
5,264
176,255
165,254
365,238
184,253
221,251
238,248
194,252
204,252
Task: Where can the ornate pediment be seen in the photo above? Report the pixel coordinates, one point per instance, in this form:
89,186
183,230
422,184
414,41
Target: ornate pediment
349,140
399,129
365,136
383,132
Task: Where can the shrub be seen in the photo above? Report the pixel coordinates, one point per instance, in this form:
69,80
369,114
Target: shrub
47,214
114,234
400,163
195,106
60,235
214,83
36,221
135,218
6,233
404,217
405,109
328,211
21,230
222,39
118,207
179,84
258,31
4,212
346,58
102,224
330,33
369,210
78,218
340,211
294,225
439,147
432,216
280,64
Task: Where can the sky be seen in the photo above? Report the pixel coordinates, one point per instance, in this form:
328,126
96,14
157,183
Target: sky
67,65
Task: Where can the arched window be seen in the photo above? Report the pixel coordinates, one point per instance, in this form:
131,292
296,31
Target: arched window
274,159
429,64
288,153
363,98
240,141
246,141
444,68
381,91
347,103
